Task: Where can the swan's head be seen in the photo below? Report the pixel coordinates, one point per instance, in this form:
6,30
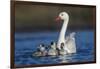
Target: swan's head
63,16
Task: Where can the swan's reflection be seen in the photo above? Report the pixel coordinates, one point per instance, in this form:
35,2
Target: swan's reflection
65,58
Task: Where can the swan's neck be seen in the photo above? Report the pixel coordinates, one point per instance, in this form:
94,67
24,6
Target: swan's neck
63,29
63,32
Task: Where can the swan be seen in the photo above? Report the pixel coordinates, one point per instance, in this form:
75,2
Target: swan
69,41
65,44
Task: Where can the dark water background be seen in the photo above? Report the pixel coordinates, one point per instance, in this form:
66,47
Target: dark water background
26,44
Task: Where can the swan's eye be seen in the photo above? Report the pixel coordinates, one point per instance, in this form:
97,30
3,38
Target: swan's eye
61,14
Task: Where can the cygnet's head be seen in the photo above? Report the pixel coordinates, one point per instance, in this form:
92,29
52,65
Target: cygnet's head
62,45
41,45
53,43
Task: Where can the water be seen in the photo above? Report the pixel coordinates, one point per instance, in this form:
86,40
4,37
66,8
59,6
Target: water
26,44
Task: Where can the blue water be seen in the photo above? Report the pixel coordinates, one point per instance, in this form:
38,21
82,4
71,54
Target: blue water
26,44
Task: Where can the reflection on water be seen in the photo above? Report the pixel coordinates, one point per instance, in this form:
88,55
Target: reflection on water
26,44
63,59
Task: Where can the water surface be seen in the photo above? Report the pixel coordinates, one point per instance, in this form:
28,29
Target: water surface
26,44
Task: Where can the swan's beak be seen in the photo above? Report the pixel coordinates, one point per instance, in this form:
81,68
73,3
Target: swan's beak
58,18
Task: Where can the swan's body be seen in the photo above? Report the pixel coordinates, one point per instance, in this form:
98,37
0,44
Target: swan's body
69,42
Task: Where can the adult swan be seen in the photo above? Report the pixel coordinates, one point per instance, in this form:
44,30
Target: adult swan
68,41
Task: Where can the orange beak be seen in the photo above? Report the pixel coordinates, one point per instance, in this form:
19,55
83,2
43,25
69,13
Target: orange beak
58,19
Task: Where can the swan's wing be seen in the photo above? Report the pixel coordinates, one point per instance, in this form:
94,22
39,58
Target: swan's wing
72,35
70,43
70,46
66,39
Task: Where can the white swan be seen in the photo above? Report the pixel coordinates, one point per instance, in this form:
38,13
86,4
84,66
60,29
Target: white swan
69,41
